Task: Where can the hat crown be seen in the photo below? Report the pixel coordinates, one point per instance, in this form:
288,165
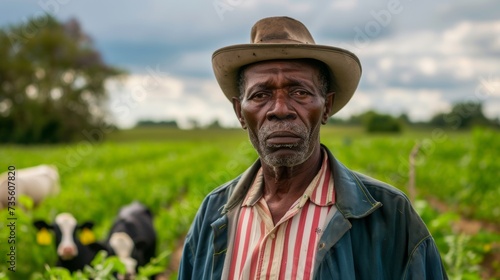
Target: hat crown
275,38
280,30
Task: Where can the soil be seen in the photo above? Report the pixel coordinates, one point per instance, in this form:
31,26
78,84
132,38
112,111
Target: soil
490,266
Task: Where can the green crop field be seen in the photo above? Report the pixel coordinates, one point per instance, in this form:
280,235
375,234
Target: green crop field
172,170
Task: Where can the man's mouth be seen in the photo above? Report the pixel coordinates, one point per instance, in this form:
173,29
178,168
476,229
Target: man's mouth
283,139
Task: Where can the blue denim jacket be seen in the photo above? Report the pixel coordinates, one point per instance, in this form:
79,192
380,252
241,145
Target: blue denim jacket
375,234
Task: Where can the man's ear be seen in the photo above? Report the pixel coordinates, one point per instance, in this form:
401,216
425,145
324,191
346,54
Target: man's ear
237,110
329,100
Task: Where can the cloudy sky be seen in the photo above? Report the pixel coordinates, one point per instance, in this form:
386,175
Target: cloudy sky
418,57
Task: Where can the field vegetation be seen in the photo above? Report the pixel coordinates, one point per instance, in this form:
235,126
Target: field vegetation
171,170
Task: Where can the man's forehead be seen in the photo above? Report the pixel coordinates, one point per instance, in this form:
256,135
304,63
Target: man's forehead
283,65
272,74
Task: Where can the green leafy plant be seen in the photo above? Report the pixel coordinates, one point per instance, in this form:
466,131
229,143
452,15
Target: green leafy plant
172,170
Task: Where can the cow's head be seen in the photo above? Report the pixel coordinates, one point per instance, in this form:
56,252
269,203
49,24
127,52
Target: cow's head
69,234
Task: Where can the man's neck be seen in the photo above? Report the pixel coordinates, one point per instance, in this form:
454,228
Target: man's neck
284,185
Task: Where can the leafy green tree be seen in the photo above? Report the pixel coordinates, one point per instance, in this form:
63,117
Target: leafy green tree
151,123
375,122
51,83
404,119
463,115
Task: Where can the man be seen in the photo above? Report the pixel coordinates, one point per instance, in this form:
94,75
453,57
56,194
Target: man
298,213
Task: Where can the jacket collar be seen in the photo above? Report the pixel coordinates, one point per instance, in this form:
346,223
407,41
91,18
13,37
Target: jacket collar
353,199
239,191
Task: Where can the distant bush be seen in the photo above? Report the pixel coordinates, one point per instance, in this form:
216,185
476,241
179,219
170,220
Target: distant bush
463,115
375,122
150,123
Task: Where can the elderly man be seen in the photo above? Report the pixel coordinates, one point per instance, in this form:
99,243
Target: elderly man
298,213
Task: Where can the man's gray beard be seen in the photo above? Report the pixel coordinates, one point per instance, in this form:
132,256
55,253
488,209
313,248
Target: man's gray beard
302,148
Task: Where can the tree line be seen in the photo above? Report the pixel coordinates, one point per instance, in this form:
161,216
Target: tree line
463,115
52,90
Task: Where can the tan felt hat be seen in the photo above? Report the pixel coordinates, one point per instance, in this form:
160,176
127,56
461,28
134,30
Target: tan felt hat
286,38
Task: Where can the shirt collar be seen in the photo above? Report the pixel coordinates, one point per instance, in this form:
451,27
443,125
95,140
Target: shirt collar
320,191
255,191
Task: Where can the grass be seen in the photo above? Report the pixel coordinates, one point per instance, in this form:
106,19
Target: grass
172,170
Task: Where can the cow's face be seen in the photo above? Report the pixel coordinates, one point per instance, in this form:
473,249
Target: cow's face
123,246
65,228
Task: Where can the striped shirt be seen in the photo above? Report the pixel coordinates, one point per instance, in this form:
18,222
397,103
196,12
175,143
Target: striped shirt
286,250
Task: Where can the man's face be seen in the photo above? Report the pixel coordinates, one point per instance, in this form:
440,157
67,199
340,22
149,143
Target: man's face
283,108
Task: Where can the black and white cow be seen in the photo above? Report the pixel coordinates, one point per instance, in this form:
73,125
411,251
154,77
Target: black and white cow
132,237
72,254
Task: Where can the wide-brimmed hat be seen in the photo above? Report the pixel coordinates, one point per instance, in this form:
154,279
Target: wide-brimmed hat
286,38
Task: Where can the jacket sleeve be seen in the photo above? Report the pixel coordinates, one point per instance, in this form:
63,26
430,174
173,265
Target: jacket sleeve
425,262
191,244
186,264
196,260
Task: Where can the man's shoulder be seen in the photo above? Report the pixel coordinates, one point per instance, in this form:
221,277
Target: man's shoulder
381,190
222,191
373,184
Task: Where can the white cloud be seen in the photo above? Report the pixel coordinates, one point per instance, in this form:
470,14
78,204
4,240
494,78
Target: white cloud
427,56
344,5
418,104
427,65
167,98
434,66
491,109
359,103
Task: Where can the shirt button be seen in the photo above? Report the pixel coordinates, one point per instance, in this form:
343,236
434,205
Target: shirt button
321,246
273,236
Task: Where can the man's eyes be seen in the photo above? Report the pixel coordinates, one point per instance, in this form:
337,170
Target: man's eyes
299,92
259,95
292,93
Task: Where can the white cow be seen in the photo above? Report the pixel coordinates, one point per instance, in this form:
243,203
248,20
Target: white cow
36,182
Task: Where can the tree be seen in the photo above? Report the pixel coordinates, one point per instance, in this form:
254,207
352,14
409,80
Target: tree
376,122
51,82
462,115
151,123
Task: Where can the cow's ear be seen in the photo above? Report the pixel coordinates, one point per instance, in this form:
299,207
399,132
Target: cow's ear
39,224
87,224
87,235
43,237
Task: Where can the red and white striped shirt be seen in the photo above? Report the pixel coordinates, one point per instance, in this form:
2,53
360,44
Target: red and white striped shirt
286,250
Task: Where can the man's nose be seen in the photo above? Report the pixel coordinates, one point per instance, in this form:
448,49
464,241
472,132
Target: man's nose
281,108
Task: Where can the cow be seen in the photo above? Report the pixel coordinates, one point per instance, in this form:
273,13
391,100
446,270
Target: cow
37,182
132,237
72,254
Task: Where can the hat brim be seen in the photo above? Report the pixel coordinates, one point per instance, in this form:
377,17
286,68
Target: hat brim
344,66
